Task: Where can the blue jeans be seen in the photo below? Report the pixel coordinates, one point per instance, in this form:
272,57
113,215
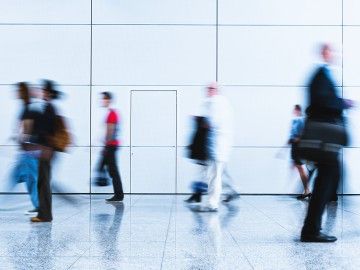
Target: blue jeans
26,170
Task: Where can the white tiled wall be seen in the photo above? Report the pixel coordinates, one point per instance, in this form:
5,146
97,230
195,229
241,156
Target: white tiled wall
262,52
271,55
351,55
351,11
154,12
45,12
153,118
8,113
153,54
30,52
263,114
280,12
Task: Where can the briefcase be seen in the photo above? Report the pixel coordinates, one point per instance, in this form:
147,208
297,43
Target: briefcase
321,141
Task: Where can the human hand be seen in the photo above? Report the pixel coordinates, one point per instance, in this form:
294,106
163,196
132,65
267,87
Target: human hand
349,103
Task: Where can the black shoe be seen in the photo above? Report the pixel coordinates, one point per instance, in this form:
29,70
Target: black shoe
196,197
304,196
115,199
231,197
317,238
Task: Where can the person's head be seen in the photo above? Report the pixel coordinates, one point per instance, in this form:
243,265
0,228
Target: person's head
106,99
49,92
297,110
23,92
212,89
327,53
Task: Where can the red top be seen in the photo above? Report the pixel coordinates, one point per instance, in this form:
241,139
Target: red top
113,118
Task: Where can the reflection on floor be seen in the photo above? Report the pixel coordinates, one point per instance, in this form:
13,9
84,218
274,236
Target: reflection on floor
161,232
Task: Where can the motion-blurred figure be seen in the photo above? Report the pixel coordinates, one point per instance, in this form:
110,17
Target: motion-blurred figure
26,168
47,132
297,126
219,116
324,106
108,158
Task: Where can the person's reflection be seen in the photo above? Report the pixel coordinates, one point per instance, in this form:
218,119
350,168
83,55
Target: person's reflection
213,225
331,213
232,212
108,238
204,243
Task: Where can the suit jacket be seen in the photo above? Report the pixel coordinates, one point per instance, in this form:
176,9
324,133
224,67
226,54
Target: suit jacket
324,104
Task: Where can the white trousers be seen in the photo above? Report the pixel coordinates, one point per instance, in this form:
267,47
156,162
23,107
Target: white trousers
215,172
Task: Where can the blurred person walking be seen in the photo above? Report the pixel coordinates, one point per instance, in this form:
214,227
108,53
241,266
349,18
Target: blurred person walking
219,115
108,160
47,128
199,151
297,126
324,120
26,168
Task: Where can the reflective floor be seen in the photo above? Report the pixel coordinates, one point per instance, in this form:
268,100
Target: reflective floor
161,232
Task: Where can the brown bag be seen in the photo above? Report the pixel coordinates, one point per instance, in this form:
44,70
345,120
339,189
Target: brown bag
62,138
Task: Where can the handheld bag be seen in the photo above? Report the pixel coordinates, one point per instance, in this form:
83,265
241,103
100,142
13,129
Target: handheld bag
62,138
321,141
198,149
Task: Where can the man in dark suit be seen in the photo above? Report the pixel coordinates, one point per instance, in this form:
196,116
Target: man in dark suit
324,106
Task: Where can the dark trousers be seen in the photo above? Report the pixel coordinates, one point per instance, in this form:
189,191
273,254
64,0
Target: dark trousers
44,190
325,187
108,161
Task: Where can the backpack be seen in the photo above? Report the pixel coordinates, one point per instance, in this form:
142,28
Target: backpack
62,138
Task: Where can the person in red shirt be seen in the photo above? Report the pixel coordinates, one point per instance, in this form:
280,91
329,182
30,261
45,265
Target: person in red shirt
108,158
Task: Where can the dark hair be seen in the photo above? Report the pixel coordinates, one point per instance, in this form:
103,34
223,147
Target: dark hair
24,92
107,95
297,107
49,86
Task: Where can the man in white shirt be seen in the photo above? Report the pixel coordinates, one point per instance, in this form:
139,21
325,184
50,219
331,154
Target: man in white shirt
219,114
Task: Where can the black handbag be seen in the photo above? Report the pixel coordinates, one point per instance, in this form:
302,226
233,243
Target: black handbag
321,141
198,149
